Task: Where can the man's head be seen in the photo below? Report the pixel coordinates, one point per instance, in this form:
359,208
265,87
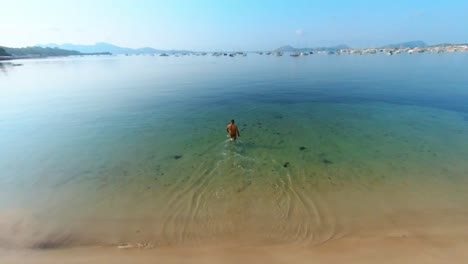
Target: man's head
232,121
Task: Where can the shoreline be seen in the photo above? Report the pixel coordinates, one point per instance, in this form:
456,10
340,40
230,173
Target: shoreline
396,247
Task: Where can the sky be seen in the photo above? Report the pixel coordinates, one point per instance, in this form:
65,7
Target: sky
212,25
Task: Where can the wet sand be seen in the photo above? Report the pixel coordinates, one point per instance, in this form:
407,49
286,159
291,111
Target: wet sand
443,246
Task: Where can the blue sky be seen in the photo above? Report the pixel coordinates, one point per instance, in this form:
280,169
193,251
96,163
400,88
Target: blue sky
232,25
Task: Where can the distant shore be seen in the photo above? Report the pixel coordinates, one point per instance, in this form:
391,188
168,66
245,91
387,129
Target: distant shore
393,49
432,49
7,53
9,58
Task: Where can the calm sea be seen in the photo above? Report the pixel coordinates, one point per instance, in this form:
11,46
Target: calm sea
112,150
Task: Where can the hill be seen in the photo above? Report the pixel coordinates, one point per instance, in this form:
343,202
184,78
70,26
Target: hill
3,52
39,51
44,52
286,48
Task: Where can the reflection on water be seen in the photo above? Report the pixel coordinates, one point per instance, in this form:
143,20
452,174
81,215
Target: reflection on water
133,150
3,68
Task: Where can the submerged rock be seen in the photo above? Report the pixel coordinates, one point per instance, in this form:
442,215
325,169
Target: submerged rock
286,164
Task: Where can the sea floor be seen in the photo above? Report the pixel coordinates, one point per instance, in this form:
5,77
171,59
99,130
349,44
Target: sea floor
302,176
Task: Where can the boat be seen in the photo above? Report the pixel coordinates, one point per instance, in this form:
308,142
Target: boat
295,54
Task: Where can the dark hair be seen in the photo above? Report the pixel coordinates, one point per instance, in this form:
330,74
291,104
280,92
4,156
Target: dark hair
232,121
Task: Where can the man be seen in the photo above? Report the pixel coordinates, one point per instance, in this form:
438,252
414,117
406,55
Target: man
233,131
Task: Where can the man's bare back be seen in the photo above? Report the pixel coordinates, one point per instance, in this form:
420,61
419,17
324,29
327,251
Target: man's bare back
233,131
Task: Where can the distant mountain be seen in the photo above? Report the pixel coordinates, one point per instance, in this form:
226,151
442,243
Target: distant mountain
107,47
289,48
409,44
286,48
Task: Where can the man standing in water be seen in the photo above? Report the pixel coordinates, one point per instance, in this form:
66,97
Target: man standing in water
233,131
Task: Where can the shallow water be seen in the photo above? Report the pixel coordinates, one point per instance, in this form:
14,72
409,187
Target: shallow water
111,150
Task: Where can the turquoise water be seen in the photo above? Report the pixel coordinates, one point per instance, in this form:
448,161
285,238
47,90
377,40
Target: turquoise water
111,150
